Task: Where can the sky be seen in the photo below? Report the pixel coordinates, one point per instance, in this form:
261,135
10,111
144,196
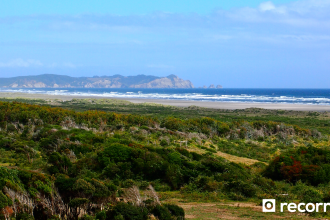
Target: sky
238,44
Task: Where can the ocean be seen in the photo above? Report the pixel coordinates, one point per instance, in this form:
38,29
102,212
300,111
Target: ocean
289,96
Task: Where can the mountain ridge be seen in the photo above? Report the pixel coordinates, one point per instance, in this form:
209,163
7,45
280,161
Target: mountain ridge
115,81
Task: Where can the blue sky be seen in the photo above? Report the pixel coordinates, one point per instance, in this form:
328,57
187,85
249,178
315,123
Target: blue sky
253,44
122,7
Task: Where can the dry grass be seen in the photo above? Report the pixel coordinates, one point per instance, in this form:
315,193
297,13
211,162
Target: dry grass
233,210
228,157
223,209
237,159
5,164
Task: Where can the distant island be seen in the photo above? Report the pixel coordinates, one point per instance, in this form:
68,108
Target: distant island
116,81
211,87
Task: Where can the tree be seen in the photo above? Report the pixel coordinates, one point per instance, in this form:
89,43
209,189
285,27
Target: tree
76,205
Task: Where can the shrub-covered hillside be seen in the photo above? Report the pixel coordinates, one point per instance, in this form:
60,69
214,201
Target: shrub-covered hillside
103,165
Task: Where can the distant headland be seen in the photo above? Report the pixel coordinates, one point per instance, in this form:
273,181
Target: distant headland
115,81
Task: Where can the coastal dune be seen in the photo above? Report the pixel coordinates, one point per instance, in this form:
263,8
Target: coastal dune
179,103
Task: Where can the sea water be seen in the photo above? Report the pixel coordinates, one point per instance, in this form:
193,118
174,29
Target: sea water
290,96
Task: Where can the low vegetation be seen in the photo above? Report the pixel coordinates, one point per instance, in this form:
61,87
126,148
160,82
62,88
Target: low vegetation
70,162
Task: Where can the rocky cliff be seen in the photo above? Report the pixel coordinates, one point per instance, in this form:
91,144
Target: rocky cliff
171,81
116,81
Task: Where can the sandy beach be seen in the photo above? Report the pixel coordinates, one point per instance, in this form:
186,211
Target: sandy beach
179,103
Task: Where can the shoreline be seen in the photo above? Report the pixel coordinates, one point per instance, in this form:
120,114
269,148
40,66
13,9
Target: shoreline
179,103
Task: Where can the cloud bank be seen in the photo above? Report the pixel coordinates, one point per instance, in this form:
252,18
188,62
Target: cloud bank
21,63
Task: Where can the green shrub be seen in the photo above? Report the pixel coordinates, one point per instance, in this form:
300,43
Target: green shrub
78,202
82,186
127,211
87,217
174,158
119,217
161,212
183,151
101,215
163,143
176,211
64,183
174,176
311,165
54,217
259,165
115,152
3,124
24,216
144,185
306,193
160,186
210,150
236,196
196,156
11,128
128,183
311,195
239,186
3,200
145,127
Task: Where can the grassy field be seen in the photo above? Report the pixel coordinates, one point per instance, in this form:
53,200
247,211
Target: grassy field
233,210
226,209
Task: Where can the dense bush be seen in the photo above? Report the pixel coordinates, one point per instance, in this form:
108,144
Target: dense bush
161,212
309,164
128,212
176,211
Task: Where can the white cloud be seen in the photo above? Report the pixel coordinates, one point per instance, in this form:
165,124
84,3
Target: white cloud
270,7
61,65
21,63
307,37
300,14
35,63
312,7
267,6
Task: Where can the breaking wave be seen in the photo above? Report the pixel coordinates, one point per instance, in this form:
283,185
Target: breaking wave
320,97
